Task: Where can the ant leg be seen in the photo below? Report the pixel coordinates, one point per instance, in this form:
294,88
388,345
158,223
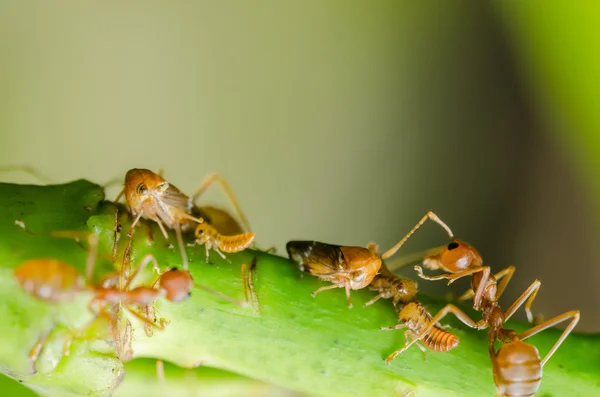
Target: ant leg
409,259
375,299
181,246
505,275
452,277
143,263
574,314
529,294
462,316
92,239
216,177
428,215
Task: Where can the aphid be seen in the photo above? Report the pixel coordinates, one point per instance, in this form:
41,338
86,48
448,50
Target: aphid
415,317
402,290
151,196
209,236
346,267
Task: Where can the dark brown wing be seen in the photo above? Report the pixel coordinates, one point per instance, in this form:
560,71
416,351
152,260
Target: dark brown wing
316,257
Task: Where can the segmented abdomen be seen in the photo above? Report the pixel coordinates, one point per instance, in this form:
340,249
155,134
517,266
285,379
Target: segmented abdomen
518,369
439,340
236,243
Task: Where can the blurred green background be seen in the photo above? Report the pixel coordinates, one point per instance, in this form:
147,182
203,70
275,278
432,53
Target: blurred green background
340,121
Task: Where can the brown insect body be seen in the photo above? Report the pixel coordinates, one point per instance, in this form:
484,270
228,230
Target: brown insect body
150,195
400,289
345,266
415,317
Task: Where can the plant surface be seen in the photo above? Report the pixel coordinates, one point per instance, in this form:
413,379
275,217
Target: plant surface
312,345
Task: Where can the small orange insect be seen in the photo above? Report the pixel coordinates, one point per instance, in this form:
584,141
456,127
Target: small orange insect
346,267
416,318
209,236
402,290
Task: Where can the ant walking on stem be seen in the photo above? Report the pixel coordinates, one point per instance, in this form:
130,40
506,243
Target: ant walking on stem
52,280
517,366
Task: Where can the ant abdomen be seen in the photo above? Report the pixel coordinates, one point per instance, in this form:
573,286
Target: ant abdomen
518,369
49,280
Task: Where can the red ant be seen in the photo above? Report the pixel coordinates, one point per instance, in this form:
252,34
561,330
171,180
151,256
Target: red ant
517,366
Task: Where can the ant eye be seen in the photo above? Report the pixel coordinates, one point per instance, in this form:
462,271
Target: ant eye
142,189
452,245
173,269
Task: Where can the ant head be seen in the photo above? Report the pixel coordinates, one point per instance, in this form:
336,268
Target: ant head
138,185
456,256
177,284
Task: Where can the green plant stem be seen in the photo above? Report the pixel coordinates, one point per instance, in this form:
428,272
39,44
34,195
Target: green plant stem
313,345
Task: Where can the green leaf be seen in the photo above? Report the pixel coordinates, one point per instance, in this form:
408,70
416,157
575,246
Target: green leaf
313,345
